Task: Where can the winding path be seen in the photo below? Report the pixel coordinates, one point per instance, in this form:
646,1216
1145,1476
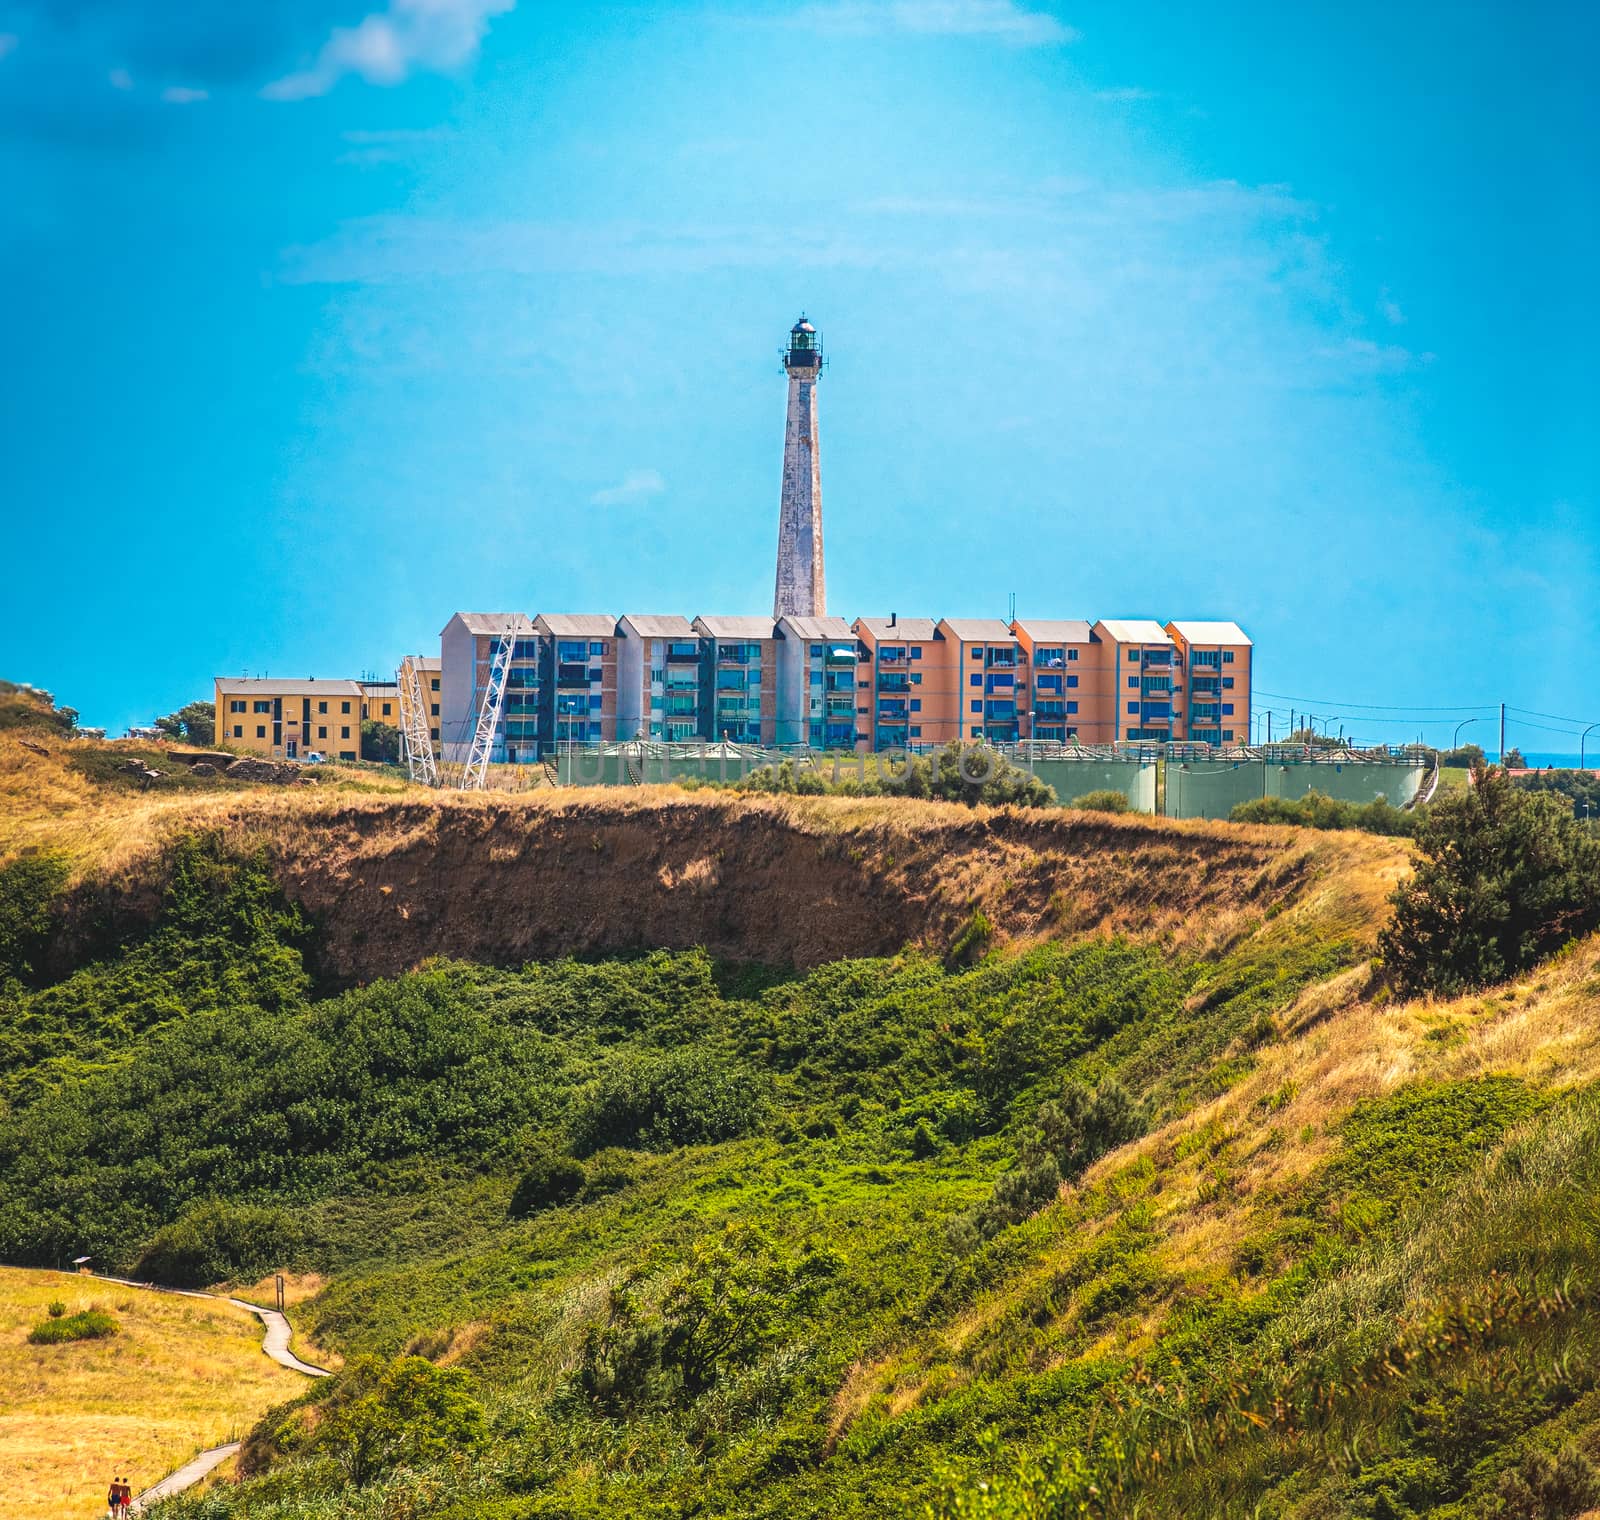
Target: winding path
274,1341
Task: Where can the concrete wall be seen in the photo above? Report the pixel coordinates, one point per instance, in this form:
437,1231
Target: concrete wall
1213,788
1136,780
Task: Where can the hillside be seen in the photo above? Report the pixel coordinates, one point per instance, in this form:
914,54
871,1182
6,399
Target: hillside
876,1157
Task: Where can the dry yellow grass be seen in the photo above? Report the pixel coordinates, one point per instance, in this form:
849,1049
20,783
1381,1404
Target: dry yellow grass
183,1374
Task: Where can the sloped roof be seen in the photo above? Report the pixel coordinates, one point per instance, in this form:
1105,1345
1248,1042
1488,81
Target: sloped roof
1134,630
489,622
1209,633
817,628
716,627
577,625
914,630
1055,630
648,625
270,685
978,630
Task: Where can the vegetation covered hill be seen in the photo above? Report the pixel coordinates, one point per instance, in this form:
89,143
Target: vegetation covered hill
1065,1166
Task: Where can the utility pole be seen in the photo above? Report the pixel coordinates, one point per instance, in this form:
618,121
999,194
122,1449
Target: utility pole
1502,734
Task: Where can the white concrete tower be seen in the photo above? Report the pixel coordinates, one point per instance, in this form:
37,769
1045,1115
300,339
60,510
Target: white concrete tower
801,591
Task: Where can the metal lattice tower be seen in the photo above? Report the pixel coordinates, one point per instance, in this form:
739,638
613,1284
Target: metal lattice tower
801,591
416,740
490,710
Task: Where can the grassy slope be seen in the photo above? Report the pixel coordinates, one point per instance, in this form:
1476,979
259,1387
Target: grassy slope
181,1375
1330,1180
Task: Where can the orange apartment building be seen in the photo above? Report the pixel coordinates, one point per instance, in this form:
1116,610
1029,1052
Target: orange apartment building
1119,680
1214,659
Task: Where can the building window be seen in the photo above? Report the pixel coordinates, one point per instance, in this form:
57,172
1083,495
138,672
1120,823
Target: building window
322,733
977,680
1072,680
597,649
261,731
977,654
916,678
435,712
916,731
1133,656
1227,683
1133,681
344,733
1072,707
236,707
1227,734
386,709
344,707
322,707
1227,709
916,704
262,707
977,707
1227,657
977,733
1133,707
238,731
436,683
1072,654
916,651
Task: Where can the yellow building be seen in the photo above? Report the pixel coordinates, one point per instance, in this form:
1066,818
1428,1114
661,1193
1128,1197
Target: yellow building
287,720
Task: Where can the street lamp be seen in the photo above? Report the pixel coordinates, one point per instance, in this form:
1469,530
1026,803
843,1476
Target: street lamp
1455,740
1581,737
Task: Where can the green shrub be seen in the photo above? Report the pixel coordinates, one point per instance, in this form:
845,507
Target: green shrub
215,1240
659,1101
28,887
85,1325
972,939
1549,1485
1316,810
56,1309
1505,877
549,1179
1103,802
407,1413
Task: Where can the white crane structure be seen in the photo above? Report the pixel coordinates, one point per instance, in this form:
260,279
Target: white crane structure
416,732
490,709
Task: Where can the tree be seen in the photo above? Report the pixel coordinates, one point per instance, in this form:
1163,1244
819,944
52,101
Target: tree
1506,876
194,722
380,741
1467,756
1514,761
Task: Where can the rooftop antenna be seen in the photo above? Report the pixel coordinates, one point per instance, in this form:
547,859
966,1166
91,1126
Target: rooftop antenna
1013,616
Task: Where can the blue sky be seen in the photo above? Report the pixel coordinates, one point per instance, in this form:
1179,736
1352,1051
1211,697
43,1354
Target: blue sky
327,319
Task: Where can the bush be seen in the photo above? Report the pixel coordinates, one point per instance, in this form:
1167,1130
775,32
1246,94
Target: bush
1316,810
550,1179
56,1309
1068,1134
1506,876
1103,802
1549,1485
657,1102
403,1414
85,1325
214,1240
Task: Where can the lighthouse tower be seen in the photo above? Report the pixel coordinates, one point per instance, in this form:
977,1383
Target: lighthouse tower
800,589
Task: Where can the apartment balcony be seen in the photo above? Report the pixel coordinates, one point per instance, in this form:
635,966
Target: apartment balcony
893,681
1157,685
1205,685
997,661
839,680
681,707
896,659
572,675
1000,683
1158,657
1046,659
1049,710
892,711
1204,712
840,707
838,654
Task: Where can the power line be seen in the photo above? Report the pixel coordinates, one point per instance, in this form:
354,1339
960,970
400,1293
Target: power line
1284,696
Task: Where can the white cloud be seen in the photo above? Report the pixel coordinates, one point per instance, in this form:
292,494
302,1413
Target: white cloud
182,95
634,487
1392,314
120,79
1124,95
386,47
1000,20
8,43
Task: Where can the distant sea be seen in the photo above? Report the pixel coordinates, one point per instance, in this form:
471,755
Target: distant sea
1539,760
